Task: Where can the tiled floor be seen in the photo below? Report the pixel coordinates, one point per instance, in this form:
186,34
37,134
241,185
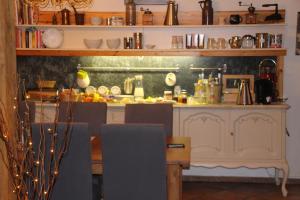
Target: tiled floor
237,191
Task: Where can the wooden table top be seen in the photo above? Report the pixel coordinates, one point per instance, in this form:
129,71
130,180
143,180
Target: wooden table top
181,156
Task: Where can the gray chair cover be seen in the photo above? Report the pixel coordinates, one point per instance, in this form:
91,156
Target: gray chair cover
151,113
92,113
134,162
74,181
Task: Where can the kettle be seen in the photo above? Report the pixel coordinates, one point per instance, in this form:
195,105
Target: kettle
244,96
207,12
171,15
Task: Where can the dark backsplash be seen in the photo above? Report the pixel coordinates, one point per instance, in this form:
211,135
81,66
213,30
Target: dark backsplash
63,70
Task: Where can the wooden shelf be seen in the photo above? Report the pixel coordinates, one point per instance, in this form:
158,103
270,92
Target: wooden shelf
45,26
151,52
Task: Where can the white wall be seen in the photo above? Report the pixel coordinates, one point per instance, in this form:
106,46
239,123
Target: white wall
291,82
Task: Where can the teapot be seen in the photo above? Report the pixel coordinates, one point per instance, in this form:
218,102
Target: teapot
171,15
248,41
207,12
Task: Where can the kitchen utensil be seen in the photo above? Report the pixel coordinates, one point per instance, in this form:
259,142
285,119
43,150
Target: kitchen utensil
262,40
171,14
128,85
244,97
65,16
235,19
275,40
138,40
235,42
79,17
130,13
138,89
251,16
92,43
248,41
275,16
113,43
207,12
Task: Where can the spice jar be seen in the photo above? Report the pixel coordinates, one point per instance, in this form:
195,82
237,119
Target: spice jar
147,17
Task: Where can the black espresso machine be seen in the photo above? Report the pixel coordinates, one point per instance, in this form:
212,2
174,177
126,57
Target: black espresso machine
265,85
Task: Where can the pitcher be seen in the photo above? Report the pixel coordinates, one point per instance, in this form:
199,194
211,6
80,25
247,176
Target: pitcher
207,12
171,15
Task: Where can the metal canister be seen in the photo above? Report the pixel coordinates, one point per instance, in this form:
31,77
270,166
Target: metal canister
195,41
262,40
188,41
138,40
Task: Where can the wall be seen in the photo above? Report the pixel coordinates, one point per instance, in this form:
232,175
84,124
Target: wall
292,71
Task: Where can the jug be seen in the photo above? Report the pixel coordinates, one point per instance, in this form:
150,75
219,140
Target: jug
207,12
128,85
130,13
171,15
244,96
65,16
138,89
79,17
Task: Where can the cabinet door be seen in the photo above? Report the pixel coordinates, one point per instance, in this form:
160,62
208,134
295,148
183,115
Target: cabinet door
208,131
257,134
115,115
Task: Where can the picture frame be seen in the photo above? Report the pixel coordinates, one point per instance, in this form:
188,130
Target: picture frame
231,83
149,2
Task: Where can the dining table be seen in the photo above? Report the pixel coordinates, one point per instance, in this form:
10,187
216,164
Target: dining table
178,157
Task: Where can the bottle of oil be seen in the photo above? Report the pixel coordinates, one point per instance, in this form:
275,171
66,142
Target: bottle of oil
130,13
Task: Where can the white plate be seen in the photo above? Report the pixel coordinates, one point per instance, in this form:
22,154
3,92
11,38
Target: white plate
115,90
103,90
53,38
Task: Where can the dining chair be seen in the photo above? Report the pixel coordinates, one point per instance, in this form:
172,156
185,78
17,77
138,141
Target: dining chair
74,180
151,113
93,113
134,162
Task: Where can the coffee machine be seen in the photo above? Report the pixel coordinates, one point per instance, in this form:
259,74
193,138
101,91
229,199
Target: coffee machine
265,85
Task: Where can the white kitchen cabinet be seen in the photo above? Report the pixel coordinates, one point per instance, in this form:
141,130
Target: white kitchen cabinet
251,136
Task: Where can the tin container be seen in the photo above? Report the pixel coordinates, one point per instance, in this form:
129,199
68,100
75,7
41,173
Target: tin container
262,40
188,42
138,40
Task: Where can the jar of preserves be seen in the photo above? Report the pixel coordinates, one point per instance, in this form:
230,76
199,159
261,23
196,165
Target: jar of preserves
182,98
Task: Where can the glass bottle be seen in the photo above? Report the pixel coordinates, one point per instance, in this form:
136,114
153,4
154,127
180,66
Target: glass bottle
138,89
130,13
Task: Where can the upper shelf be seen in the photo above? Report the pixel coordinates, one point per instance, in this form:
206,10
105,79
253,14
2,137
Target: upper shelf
151,52
44,26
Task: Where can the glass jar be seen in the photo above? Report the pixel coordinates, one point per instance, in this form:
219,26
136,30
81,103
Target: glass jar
168,95
182,98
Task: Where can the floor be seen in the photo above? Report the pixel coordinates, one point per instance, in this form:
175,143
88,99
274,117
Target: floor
237,191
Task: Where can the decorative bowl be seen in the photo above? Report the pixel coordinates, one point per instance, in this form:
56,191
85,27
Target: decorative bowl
92,43
113,43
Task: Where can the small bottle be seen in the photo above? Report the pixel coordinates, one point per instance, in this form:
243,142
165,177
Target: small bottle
130,13
147,17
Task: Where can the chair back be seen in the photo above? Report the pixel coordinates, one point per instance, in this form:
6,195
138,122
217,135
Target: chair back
93,113
152,114
74,180
134,162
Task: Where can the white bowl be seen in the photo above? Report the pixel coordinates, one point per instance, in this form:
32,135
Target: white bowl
92,43
113,43
95,20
